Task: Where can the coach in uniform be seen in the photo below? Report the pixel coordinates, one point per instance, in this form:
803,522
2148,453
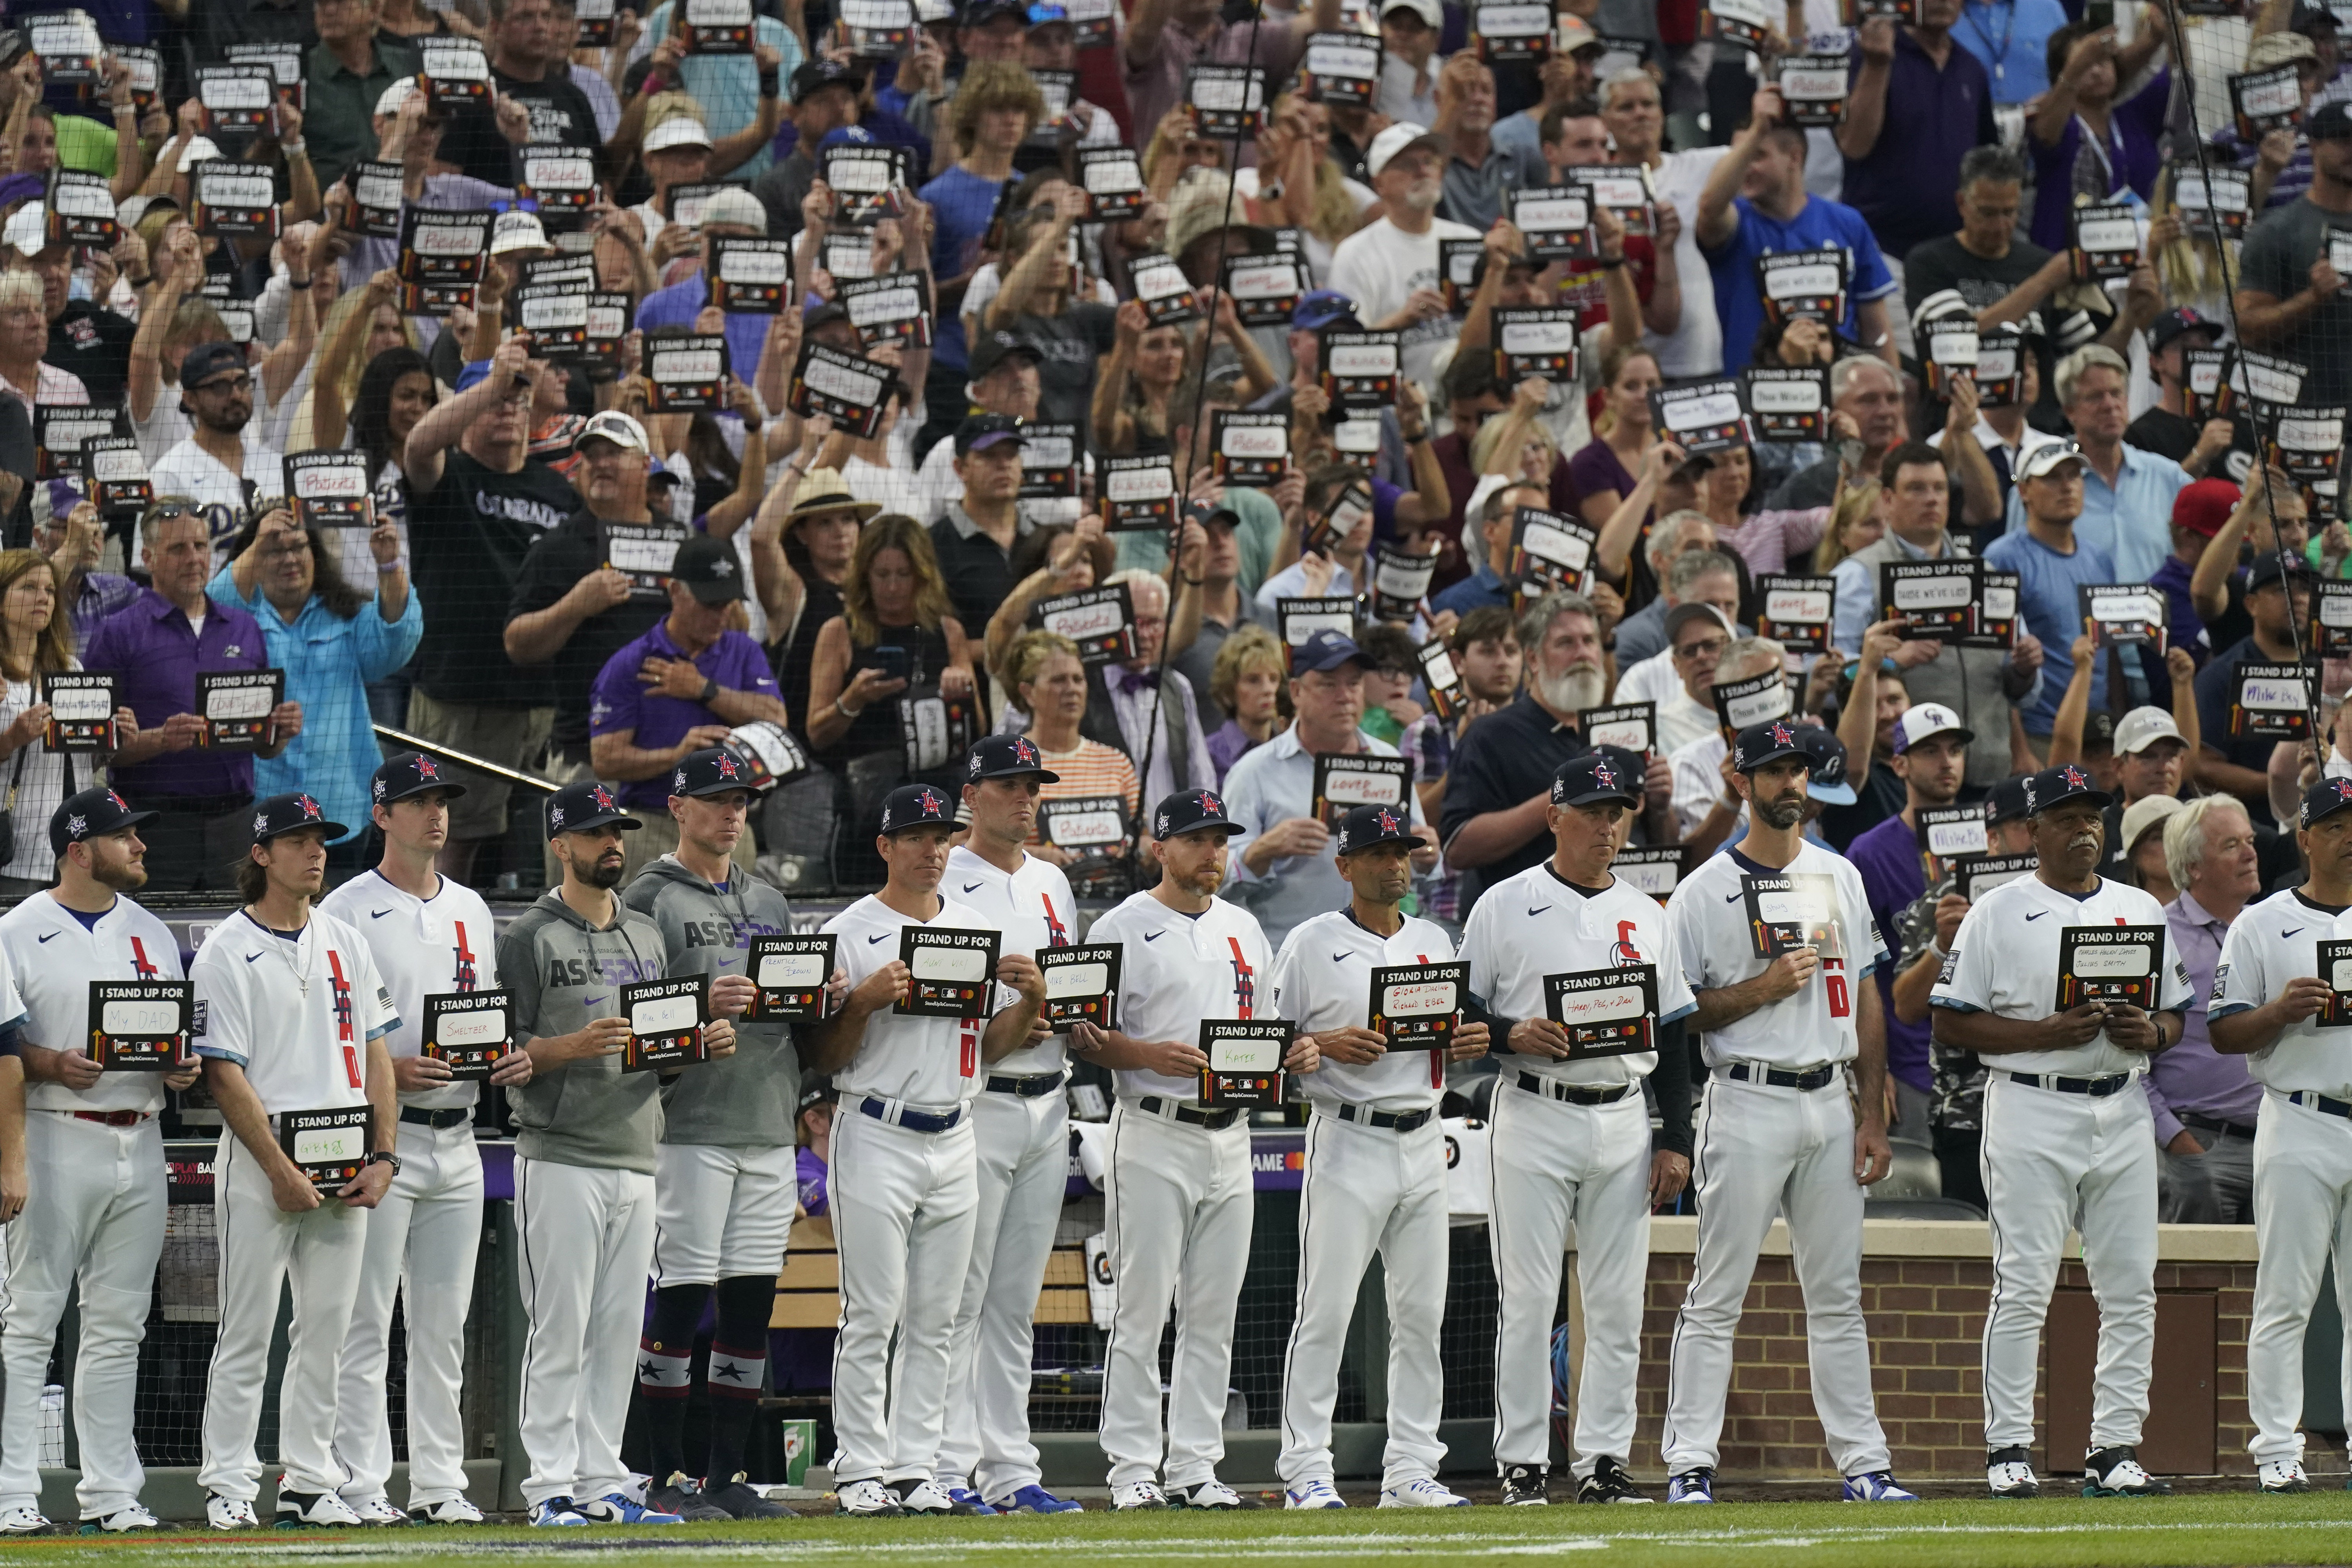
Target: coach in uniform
2069,1141
1375,1172
1570,1137
2267,997
1020,1126
429,936
293,1018
1776,1131
584,1159
94,1216
904,1187
724,1179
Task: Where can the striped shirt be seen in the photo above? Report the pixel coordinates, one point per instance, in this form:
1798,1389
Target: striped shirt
1093,769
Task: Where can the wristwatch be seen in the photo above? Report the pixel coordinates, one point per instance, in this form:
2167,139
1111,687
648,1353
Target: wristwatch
709,690
384,1157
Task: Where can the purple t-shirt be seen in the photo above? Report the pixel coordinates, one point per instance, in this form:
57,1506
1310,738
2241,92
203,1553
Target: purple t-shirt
1887,856
619,704
2131,160
154,656
810,1172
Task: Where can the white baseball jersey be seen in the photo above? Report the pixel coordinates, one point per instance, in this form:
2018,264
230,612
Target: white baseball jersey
1538,924
2004,961
922,1060
1712,935
2269,943
422,947
1176,970
1323,980
52,957
295,1011
1033,908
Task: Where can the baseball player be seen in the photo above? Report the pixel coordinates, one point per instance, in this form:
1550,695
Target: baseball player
1178,1188
723,1175
291,1018
2068,1140
1022,1129
904,1190
429,936
1375,1171
2269,990
585,1161
1571,1142
1777,945
94,1220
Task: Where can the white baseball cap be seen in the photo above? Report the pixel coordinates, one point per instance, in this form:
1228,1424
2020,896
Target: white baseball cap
1922,719
2142,728
398,93
677,131
1395,139
616,427
197,150
1427,10
516,231
2046,459
28,229
735,206
2144,813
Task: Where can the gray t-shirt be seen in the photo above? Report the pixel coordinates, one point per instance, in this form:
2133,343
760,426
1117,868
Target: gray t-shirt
2276,261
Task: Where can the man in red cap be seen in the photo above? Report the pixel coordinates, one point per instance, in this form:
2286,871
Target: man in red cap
2198,513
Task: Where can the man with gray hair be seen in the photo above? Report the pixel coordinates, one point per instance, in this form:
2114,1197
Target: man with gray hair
2127,491
1631,108
1673,539
1865,405
2204,1103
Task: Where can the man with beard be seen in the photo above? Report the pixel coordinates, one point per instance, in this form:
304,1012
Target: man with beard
214,464
2069,1141
1390,268
1498,790
95,1216
1776,942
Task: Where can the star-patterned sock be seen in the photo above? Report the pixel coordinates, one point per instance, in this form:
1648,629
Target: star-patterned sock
665,1374
738,1371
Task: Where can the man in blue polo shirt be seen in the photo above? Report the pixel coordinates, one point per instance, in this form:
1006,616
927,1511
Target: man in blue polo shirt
1915,104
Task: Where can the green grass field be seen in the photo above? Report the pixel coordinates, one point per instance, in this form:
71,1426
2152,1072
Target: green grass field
2217,1528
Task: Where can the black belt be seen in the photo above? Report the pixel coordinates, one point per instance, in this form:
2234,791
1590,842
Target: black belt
1189,1115
2096,1088
1778,1078
1386,1120
1029,1087
2215,1124
2311,1100
417,1117
1575,1094
913,1121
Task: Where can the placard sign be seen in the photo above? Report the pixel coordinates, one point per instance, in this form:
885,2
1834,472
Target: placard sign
1979,875
2106,241
1457,269
1933,598
1514,30
1999,372
1807,285
1606,1012
851,389
143,66
142,1025
791,972
1418,1006
1741,22
1296,619
331,489
1789,403
81,210
1441,680
595,18
869,179
1248,448
1952,832
1551,549
1798,611
665,1019
689,371
81,711
119,470
949,971
1653,869
1359,369
329,1147
2122,614
1086,825
878,29
441,256
69,48
1166,294
1139,494
1542,342
2269,701
2335,967
2119,965
1622,188
2215,203
235,199
238,100
1703,417
456,71
1101,621
62,430
556,317
1813,87
1790,911
1226,101
716,26
1400,581
1346,67
1555,220
562,180
645,552
1245,1061
1993,623
2331,618
1344,781
753,276
470,1030
2307,444
1264,289
2269,100
1951,347
1081,985
1632,725
1113,181
375,200
1050,460
1739,703
235,706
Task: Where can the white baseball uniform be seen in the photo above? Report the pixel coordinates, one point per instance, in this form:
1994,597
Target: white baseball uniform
1178,1193
1554,1162
904,1203
2057,1159
1370,1185
1021,1128
423,1238
2302,1156
296,1012
1762,1148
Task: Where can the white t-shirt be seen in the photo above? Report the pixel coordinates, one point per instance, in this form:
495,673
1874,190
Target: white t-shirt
51,959
1176,971
1695,347
1698,770
296,1014
2269,943
1034,908
423,947
929,1063
1380,266
1319,988
188,470
1709,912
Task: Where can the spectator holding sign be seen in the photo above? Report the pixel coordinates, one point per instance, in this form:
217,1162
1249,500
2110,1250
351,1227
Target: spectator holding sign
2127,491
2279,602
2291,300
1917,105
1049,683
1388,268
2051,564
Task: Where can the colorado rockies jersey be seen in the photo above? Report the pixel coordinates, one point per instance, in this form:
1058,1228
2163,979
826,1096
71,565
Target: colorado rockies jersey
422,947
2004,961
1533,924
2268,944
1323,980
1714,914
54,957
296,1012
929,1063
1033,908
1175,970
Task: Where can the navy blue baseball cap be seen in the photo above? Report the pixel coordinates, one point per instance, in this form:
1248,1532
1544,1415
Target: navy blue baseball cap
1190,811
410,773
288,813
1002,756
916,805
981,431
93,814
576,808
1320,307
2006,803
713,770
1325,649
2055,786
1369,825
1205,512
1596,776
205,361
1767,743
819,73
2325,798
1822,749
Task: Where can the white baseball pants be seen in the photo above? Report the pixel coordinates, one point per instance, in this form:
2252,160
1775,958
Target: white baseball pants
1178,1213
1024,1160
587,1237
2303,1208
1760,1151
94,1217
422,1241
316,1254
721,1213
904,1205
2055,1162
1368,1189
1553,1164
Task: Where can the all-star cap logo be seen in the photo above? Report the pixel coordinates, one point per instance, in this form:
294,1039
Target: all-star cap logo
2074,777
117,802
727,769
2325,799
310,812
1782,735
426,769
1389,821
1023,752
605,801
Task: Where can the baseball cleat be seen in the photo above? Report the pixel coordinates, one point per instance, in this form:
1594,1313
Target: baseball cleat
450,1510
313,1510
682,1495
2009,1473
230,1512
1035,1500
615,1507
1312,1494
121,1521
2116,1472
376,1510
1421,1492
25,1520
921,1497
1608,1483
737,1499
1692,1486
1524,1486
967,1501
1128,1496
1876,1486
867,1499
2282,1476
555,1512
1212,1494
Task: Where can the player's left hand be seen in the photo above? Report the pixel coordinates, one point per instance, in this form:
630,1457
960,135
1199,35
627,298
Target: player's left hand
410,1074
366,1190
513,1070
184,1078
731,995
836,992
1020,971
1470,1042
719,1037
1303,1056
1669,1174
2130,1029
1872,1156
76,1071
1353,1046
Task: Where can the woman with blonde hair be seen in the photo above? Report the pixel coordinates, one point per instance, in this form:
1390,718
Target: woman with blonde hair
1049,682
1856,523
1175,151
1308,192
1246,682
896,631
35,642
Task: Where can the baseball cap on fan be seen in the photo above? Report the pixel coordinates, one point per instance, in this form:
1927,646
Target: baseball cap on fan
710,569
677,131
1922,719
1397,138
619,428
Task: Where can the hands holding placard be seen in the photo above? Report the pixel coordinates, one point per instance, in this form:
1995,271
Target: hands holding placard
1355,1047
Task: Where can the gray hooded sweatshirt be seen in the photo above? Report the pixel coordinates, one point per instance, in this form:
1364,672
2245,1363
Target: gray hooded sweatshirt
749,1100
564,974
